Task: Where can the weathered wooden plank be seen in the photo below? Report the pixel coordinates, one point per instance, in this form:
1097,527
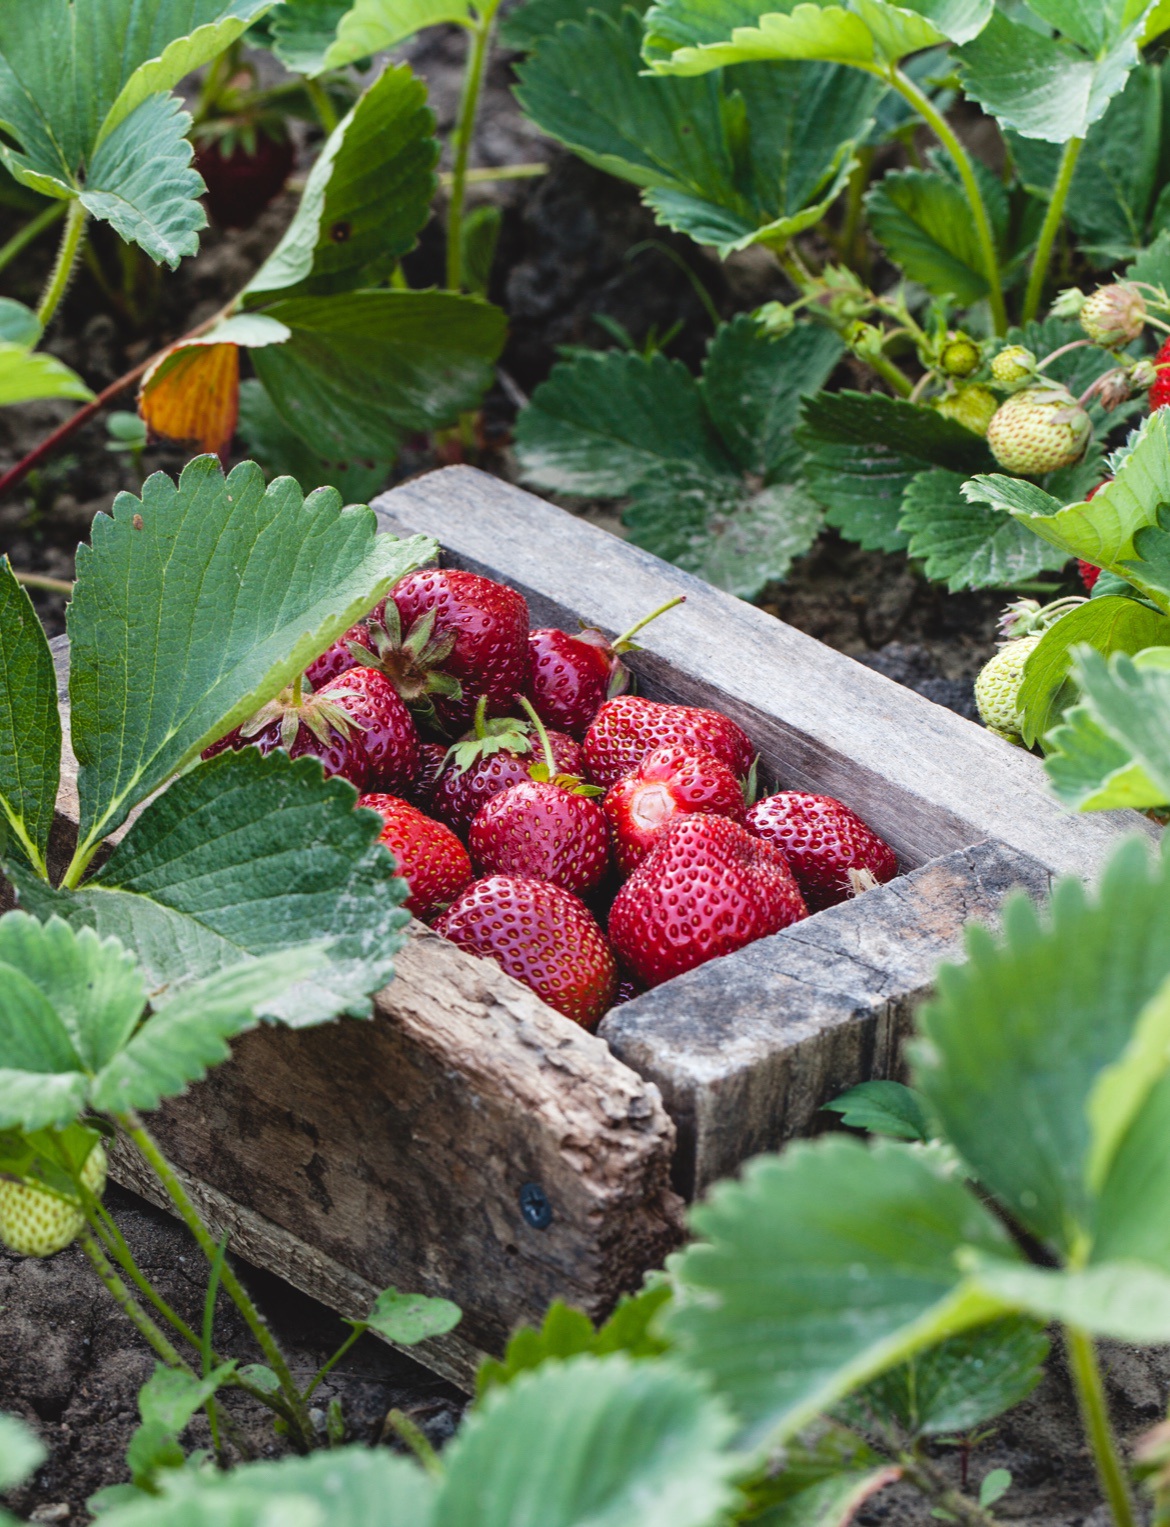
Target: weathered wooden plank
928,780
745,1050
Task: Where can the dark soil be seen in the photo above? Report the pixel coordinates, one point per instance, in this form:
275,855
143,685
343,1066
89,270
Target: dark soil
69,1364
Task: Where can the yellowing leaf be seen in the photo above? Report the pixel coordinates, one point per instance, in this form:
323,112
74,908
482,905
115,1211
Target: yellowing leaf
193,393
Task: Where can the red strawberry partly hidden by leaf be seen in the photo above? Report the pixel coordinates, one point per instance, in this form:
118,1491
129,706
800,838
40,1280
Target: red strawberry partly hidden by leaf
387,727
1089,574
492,757
707,888
446,639
668,782
430,857
241,184
573,676
626,729
340,658
1089,571
1159,393
831,851
540,934
548,827
305,723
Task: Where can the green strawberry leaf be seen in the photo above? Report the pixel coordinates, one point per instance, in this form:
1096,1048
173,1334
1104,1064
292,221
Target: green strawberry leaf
924,224
368,194
694,36
1113,185
960,1384
1055,998
28,374
753,386
717,528
530,23
19,325
84,93
780,1253
49,1158
728,167
170,1397
374,25
70,1029
1109,624
406,1319
601,422
197,604
1046,87
824,1482
182,889
30,725
863,451
968,545
1106,752
283,453
1153,264
884,1108
21,1451
1103,530
360,366
303,31
1122,1300
566,1332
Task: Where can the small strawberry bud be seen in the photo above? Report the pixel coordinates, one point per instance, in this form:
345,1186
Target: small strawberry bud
1038,431
973,407
1014,363
1068,303
775,319
865,340
1114,315
35,1223
960,355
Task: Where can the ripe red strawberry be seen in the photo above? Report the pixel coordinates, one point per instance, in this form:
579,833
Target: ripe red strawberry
240,184
1159,393
540,934
431,758
1089,574
548,827
492,757
626,729
573,676
707,888
668,782
1089,571
387,727
339,658
831,851
430,857
447,638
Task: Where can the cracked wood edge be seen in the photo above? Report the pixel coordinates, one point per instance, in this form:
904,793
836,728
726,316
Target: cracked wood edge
746,1050
928,780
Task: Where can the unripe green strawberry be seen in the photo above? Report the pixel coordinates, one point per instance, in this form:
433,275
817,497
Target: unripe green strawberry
973,407
1038,430
34,1223
1013,364
997,689
1113,315
960,355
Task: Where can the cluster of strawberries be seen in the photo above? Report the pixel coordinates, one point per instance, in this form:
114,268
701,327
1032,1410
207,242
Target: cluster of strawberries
519,840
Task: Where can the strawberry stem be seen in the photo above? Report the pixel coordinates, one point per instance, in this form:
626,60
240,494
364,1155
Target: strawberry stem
297,690
623,641
480,722
538,726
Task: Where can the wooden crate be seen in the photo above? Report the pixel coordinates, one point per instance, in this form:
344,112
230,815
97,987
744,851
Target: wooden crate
471,1142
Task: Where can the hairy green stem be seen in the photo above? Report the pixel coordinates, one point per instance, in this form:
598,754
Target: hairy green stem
416,1440
854,201
1086,1373
31,230
38,581
1052,221
493,172
942,130
322,105
890,373
145,1143
461,138
66,259
326,1368
129,1306
102,1224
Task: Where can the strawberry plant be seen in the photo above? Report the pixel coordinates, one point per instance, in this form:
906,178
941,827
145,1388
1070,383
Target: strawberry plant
791,109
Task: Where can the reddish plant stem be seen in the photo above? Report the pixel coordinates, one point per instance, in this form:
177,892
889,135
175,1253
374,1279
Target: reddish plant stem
50,443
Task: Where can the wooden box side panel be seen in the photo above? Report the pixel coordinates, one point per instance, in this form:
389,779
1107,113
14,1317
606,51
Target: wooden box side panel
747,1049
404,1149
928,780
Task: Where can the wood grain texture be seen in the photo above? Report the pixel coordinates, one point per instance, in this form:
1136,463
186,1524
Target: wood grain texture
398,1149
928,780
745,1050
